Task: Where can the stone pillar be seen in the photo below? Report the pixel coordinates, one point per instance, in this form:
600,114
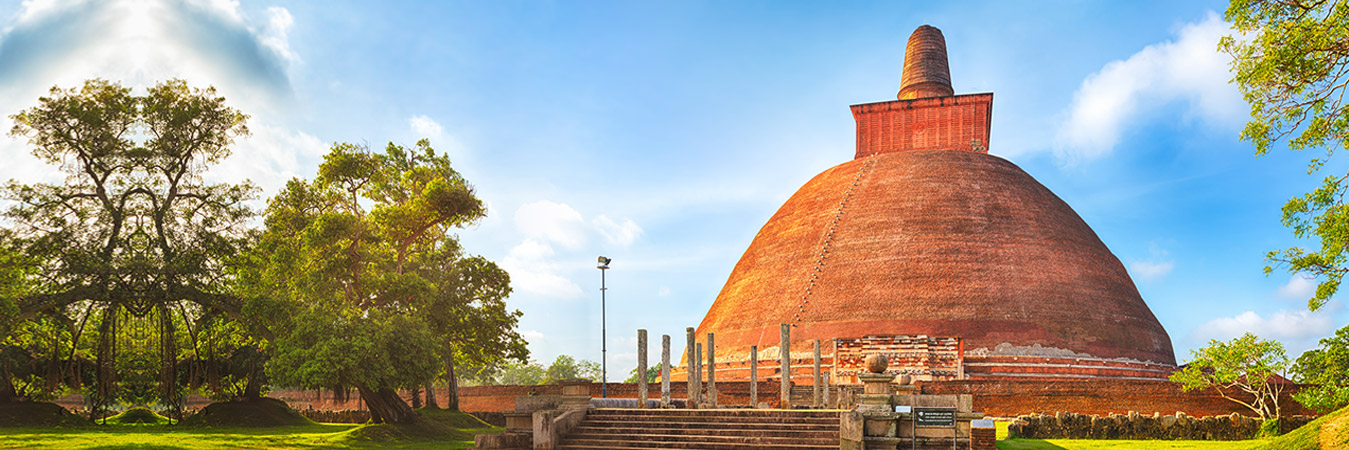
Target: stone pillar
641,368
689,370
815,380
785,353
711,370
664,371
698,374
753,376
826,390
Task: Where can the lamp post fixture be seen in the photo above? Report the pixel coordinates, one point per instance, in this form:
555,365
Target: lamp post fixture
603,265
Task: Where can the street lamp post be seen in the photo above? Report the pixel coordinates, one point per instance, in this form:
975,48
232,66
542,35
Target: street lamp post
603,265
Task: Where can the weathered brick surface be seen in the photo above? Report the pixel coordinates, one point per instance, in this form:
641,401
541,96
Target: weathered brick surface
959,122
933,242
926,71
983,438
994,397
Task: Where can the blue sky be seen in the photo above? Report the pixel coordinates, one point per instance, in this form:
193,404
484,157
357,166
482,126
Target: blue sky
664,135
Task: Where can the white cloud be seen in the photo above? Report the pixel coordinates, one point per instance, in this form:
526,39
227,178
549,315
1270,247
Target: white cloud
142,42
1300,287
554,222
664,291
1282,325
1188,69
532,335
621,235
274,35
426,127
1150,271
532,270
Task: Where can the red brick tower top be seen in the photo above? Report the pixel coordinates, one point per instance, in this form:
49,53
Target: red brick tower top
926,73
927,116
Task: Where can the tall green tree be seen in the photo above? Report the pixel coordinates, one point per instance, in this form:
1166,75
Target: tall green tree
132,242
567,367
1326,369
360,281
1245,371
468,314
1291,62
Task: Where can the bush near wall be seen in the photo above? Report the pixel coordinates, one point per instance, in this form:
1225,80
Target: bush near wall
1232,427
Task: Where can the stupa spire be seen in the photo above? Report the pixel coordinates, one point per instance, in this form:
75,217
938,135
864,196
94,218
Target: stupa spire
926,73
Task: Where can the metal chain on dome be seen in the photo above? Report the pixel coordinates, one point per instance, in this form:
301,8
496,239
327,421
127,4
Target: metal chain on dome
829,237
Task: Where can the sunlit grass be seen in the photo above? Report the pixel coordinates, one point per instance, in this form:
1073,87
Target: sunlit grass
327,435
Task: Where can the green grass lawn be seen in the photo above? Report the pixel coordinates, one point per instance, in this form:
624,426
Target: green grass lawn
456,432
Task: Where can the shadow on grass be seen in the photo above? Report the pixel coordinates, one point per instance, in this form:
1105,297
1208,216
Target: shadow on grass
1027,444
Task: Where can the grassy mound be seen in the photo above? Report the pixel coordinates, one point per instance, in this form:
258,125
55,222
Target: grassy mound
1328,431
38,414
137,416
262,412
434,425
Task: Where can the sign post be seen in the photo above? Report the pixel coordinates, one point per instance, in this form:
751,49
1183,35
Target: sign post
935,418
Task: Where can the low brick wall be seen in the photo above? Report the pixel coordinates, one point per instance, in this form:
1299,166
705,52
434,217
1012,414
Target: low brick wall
996,397
1232,427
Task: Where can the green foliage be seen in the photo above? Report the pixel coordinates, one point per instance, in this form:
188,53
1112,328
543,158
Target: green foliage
529,373
128,252
519,373
1268,428
1326,368
1242,370
652,375
566,367
362,283
1291,62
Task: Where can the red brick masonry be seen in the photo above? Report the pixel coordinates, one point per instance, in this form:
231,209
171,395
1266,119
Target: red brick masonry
958,122
983,438
997,398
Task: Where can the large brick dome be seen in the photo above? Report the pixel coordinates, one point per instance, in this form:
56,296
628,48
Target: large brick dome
934,242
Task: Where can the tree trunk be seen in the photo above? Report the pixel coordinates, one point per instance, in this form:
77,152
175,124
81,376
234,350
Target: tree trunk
386,406
431,396
451,394
7,393
253,390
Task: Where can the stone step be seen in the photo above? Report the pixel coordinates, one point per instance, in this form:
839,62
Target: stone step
649,442
832,419
715,429
738,438
832,427
687,445
592,429
720,412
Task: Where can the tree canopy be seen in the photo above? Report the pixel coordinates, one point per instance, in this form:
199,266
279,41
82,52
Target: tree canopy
362,283
1326,369
136,281
1291,62
1244,370
131,245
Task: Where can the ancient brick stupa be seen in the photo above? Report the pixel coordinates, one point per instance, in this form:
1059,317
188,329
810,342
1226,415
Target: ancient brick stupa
926,247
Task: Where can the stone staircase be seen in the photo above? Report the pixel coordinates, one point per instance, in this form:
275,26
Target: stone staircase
718,429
